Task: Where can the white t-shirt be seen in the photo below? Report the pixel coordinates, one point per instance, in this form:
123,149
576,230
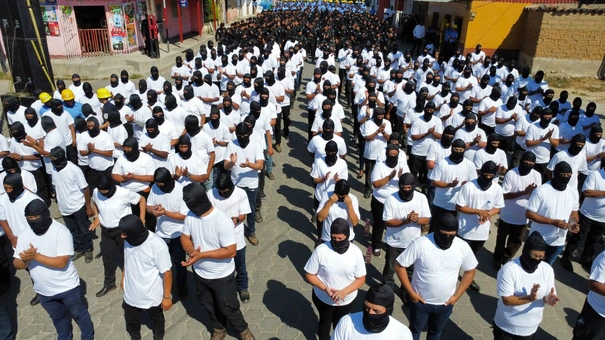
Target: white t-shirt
237,204
160,143
437,152
53,139
338,209
69,185
102,142
594,207
144,266
468,137
351,327
489,118
168,227
436,270
380,171
396,208
201,144
142,166
245,177
379,143
14,212
549,202
447,171
317,145
63,122
513,211
57,241
513,280
593,149
336,270
23,150
542,150
318,123
320,169
220,134
577,162
473,197
499,157
211,232
420,126
507,129
194,165
112,209
597,273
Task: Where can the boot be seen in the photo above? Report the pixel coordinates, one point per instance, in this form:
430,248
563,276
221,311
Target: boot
219,334
246,335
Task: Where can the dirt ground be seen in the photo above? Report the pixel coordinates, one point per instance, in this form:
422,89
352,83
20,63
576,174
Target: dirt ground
589,89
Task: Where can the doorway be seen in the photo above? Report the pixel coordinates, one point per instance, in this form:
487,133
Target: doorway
92,30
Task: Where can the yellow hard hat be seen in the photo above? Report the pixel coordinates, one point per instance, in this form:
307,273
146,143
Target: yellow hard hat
67,94
44,97
103,93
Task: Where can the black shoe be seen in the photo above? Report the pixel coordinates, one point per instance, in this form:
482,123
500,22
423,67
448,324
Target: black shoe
104,291
88,256
368,194
34,301
263,196
244,295
259,217
566,263
474,286
76,256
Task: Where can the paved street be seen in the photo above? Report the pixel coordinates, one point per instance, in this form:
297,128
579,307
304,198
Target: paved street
281,307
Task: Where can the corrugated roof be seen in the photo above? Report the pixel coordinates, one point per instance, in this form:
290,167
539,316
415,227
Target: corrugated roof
566,8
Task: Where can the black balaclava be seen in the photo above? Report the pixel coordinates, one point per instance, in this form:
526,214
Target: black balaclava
134,229
40,225
488,168
88,90
391,161
56,107
382,295
331,149
264,97
124,76
132,143
96,129
106,183
10,164
406,179
326,113
446,140
446,222
594,137
511,103
429,110
87,110
255,109
113,117
270,78
470,126
534,241
590,109
467,103
80,124
231,88
155,74
184,140
545,122
61,85
192,125
152,97
535,114
142,86
574,118
242,133
34,119
114,81
135,102
225,186
151,124
158,115
76,82
559,182
227,105
15,181
167,86
574,148
457,157
163,176
57,158
378,112
196,199
247,80
188,92
18,131
48,124
170,102
178,61
340,226
215,117
524,168
327,130
342,189
178,83
489,147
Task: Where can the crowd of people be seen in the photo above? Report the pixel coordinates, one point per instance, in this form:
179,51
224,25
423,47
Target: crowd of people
172,171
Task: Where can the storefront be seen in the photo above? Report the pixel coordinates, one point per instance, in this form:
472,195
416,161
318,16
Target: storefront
88,28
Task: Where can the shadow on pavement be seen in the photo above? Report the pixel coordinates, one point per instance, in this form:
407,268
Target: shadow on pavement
297,220
291,307
297,253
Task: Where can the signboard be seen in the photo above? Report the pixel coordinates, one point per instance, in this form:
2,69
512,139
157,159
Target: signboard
50,20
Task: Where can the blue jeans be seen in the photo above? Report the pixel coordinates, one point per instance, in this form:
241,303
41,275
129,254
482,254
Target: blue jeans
436,315
251,219
6,332
298,79
209,183
241,273
552,252
58,307
177,255
268,161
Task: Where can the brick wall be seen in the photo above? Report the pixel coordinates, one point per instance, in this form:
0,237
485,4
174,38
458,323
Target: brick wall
564,35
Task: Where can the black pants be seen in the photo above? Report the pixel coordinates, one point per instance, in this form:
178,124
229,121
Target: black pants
4,262
328,316
541,168
436,212
475,245
78,225
518,152
379,225
508,241
499,334
42,184
94,176
388,272
361,146
418,167
488,129
369,166
349,93
285,111
150,220
591,231
112,244
177,255
342,74
219,298
72,154
261,189
354,112
417,45
277,128
132,316
507,144
310,119
590,325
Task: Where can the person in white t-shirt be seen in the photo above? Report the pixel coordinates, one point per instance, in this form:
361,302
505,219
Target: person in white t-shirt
483,198
336,271
376,132
11,166
437,259
517,185
209,240
576,157
166,203
590,324
404,214
44,249
146,278
595,149
539,139
375,321
425,130
492,152
525,285
98,147
155,144
474,137
233,202
553,210
341,203
436,152
110,204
